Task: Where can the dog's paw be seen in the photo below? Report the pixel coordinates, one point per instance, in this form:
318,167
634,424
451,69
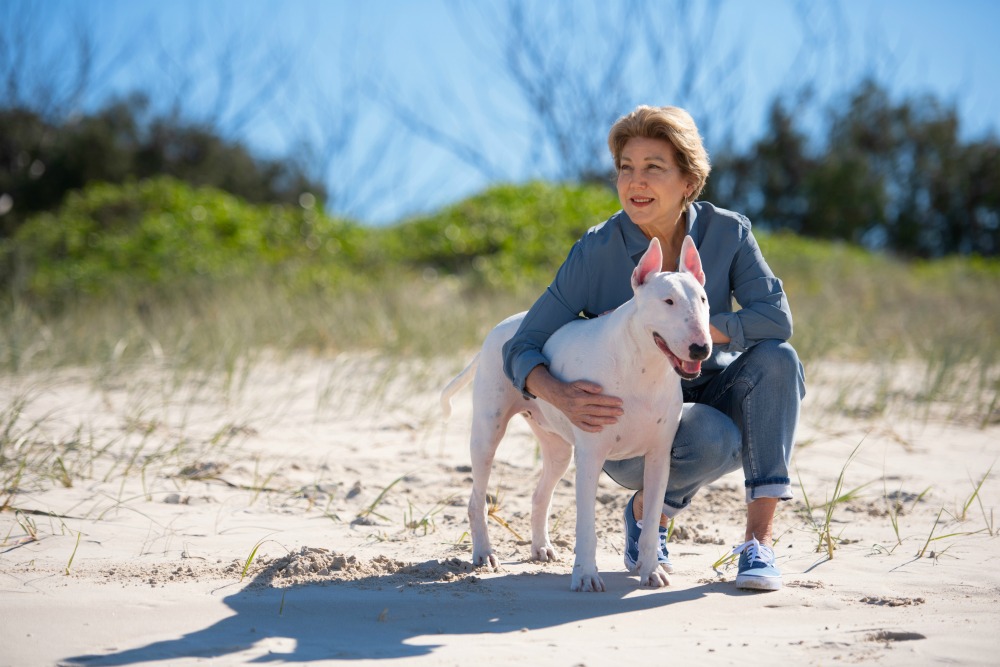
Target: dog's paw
656,579
487,560
545,553
586,580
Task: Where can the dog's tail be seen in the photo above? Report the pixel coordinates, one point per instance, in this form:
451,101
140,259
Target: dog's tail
456,384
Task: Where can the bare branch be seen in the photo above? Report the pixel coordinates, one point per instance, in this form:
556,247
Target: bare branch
466,151
574,68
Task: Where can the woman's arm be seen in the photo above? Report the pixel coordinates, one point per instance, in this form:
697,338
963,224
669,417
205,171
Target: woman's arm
581,401
561,303
764,312
718,337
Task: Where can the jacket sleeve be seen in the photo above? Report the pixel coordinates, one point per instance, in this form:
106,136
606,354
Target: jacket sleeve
562,302
764,312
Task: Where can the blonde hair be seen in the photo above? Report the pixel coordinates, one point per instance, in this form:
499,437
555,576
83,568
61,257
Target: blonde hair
675,126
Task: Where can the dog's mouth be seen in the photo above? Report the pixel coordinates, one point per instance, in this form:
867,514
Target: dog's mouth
688,370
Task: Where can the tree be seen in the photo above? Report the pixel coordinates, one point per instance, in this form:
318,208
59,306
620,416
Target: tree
886,174
64,123
41,161
767,182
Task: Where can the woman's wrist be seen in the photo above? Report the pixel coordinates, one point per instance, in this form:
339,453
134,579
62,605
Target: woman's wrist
718,337
537,381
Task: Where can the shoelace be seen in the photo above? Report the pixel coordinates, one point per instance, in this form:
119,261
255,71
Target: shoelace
756,551
663,536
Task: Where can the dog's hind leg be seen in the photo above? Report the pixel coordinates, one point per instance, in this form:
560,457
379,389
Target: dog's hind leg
556,456
489,424
483,446
494,402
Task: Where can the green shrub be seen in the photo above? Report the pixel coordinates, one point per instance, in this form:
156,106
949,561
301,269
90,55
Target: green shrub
162,233
508,235
160,248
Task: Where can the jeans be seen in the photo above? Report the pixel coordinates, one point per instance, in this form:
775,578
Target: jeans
746,415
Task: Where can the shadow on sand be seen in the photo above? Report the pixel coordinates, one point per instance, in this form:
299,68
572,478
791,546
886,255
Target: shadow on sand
394,616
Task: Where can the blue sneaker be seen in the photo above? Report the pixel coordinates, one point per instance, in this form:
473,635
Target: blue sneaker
633,529
756,569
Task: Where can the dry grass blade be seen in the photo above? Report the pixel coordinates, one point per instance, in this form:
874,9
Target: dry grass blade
493,512
427,520
825,535
73,555
892,509
725,559
381,496
930,535
12,485
249,559
27,524
975,495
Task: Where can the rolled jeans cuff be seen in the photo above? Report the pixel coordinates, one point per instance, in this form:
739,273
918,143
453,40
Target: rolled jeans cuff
670,510
780,490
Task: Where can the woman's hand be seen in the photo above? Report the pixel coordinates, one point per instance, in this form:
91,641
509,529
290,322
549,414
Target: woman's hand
718,338
581,401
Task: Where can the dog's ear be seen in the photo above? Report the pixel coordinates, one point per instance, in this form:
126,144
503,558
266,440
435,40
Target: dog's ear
651,262
691,260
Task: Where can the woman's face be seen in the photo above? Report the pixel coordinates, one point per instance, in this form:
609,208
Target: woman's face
651,188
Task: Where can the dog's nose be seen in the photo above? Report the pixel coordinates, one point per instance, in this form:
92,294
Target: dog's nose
698,351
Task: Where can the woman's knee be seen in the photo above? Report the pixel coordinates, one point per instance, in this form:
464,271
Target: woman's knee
778,355
777,361
627,473
716,436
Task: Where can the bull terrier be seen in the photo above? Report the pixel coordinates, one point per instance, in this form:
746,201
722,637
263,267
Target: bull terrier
639,353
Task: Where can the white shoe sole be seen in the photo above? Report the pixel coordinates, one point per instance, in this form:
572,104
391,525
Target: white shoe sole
759,583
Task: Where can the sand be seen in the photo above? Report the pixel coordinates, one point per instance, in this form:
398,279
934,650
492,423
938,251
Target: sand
310,510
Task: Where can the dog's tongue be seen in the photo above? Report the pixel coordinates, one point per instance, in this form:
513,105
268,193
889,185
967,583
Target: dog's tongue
691,367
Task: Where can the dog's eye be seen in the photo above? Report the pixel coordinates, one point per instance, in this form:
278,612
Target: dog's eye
704,300
669,302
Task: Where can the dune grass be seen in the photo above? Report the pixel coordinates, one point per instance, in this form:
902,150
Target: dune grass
823,527
200,341
939,322
213,294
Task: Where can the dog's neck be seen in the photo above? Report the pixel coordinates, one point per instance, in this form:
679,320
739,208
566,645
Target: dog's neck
631,344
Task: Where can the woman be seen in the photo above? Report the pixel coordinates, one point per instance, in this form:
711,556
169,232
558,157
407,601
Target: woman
745,405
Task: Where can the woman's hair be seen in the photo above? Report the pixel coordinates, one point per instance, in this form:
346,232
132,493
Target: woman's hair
672,124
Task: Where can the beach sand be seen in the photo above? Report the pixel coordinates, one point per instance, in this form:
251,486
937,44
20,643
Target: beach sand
309,510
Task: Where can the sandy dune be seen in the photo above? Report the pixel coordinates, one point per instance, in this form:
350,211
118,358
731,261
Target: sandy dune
339,477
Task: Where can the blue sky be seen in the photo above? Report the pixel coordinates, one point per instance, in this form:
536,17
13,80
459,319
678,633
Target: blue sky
440,60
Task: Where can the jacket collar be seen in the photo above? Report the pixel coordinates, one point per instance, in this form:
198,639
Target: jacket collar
636,242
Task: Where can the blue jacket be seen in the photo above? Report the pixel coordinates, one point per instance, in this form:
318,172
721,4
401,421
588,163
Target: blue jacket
596,278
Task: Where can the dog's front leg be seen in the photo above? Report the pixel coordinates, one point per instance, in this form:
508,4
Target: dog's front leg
588,467
655,478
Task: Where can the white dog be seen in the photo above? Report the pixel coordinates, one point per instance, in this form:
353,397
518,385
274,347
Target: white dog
629,352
